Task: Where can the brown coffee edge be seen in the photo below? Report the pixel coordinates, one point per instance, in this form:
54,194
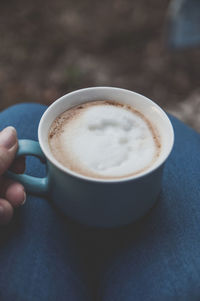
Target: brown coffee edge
74,112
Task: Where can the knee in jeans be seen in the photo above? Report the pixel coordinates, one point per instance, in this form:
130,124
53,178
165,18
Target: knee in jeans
26,108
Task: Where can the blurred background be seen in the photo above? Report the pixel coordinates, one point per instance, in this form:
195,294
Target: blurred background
49,48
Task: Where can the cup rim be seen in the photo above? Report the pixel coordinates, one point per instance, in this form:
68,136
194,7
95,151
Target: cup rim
64,169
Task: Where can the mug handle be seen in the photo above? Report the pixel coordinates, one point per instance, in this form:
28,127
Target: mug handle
33,185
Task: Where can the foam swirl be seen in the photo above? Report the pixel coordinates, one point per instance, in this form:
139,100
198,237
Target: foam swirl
104,140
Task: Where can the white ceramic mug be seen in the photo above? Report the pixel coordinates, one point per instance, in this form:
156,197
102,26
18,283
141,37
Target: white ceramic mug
98,202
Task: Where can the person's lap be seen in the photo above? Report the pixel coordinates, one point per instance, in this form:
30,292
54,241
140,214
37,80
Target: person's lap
37,260
159,259
44,257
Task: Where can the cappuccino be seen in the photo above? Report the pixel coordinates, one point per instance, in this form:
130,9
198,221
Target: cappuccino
105,140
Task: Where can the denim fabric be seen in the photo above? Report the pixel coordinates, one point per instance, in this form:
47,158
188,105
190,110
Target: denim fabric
37,257
44,256
159,257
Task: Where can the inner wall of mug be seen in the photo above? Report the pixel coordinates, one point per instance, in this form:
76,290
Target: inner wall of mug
151,111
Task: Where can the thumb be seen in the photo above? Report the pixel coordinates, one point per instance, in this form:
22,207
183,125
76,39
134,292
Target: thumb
8,147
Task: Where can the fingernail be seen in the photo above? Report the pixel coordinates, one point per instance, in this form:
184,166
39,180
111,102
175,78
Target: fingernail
24,201
8,137
1,211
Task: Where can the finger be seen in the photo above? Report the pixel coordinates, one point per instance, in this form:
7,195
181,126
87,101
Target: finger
19,165
14,193
6,212
8,148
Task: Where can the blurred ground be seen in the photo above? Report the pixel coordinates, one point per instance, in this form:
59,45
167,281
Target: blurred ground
48,48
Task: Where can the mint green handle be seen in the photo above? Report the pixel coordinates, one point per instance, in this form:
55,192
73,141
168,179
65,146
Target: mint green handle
33,185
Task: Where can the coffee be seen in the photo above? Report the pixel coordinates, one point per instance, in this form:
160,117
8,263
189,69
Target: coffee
105,140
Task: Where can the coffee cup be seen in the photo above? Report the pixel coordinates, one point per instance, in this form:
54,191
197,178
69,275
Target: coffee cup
91,200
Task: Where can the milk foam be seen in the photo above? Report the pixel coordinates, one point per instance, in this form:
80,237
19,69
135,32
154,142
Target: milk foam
105,140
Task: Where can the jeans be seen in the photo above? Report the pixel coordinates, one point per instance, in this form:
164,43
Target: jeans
47,257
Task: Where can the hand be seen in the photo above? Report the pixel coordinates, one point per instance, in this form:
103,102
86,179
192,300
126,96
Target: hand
12,194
